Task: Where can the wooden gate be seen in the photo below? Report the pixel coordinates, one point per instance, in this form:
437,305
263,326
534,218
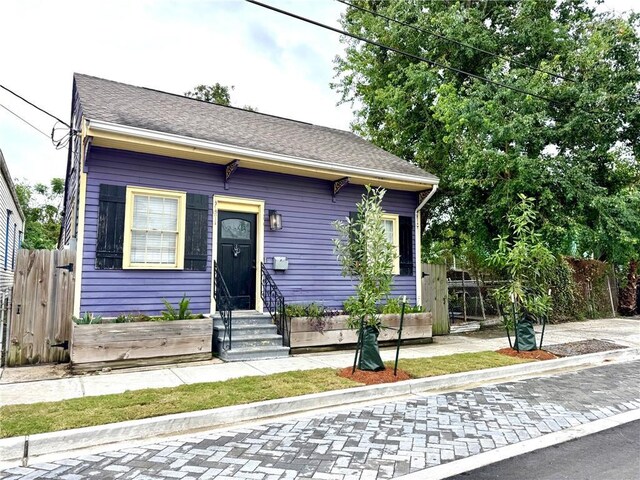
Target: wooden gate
42,306
435,296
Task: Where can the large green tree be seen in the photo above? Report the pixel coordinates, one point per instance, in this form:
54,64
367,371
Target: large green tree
41,206
572,145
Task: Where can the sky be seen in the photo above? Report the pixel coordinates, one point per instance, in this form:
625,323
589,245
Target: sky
278,64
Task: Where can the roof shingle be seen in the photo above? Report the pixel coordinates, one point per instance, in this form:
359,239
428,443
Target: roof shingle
140,107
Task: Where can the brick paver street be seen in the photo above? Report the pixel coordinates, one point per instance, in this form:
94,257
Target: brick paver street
381,441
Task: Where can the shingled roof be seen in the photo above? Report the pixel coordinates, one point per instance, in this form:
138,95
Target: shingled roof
157,111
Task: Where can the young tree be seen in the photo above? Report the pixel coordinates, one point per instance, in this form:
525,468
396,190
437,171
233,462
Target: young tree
41,206
523,259
366,256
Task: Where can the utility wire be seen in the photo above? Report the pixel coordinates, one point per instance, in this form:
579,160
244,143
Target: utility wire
453,40
35,106
30,124
406,54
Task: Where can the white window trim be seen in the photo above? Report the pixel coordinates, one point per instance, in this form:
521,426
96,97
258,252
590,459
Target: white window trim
395,220
128,221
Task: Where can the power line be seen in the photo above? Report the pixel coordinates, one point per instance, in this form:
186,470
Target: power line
453,40
18,116
403,53
35,106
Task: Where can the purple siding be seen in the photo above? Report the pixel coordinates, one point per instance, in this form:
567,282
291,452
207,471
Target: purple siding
307,212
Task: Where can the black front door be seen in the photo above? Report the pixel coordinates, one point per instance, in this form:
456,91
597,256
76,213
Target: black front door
237,257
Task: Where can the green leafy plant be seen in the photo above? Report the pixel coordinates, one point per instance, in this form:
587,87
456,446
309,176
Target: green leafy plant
367,256
123,318
180,313
87,318
394,305
525,262
315,312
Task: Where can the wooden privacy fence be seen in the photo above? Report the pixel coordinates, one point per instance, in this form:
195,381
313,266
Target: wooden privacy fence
42,306
435,296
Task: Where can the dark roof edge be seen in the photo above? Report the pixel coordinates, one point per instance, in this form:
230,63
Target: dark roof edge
12,188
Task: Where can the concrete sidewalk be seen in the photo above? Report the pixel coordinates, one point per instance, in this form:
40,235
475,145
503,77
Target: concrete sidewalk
15,390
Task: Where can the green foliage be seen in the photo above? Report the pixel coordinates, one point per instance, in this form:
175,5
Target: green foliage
215,93
124,318
41,205
525,262
394,305
87,318
314,310
577,155
180,313
566,303
367,256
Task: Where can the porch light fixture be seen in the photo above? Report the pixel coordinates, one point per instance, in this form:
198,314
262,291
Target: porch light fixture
275,220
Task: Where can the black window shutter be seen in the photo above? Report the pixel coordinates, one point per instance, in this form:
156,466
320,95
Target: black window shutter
197,232
406,245
110,227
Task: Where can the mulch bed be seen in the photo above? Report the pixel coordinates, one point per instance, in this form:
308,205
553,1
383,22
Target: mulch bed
582,347
372,378
532,354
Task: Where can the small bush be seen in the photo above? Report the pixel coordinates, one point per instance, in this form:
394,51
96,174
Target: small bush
180,313
394,305
87,318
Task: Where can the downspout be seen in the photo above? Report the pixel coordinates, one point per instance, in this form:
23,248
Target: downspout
418,235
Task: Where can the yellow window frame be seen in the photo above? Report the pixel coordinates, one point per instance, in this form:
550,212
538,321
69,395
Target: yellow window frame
395,221
132,191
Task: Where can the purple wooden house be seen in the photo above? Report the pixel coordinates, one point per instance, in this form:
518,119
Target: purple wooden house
170,196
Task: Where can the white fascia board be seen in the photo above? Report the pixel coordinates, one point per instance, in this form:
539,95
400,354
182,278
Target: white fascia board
97,125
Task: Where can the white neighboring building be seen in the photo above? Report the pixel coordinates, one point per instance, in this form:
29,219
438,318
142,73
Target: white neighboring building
11,226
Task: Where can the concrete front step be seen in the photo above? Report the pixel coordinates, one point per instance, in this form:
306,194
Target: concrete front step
253,353
253,337
241,331
273,340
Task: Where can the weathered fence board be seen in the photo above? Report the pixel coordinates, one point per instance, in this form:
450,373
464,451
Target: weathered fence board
435,298
41,307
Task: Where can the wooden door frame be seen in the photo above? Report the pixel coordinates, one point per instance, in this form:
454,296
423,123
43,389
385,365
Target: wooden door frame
242,205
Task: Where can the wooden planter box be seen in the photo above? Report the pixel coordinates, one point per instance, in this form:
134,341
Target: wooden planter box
119,345
333,332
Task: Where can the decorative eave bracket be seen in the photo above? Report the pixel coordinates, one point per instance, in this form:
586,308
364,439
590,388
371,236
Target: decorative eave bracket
337,186
229,170
88,143
422,195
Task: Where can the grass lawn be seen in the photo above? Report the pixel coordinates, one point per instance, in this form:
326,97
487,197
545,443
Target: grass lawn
87,411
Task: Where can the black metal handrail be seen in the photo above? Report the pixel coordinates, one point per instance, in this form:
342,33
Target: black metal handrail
224,305
274,302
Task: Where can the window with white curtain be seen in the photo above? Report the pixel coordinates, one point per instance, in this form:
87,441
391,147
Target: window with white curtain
154,229
392,230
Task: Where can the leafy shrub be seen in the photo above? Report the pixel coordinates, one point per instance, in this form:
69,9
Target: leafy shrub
180,313
394,306
87,318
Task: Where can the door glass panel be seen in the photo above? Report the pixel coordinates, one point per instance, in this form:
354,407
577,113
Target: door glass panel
235,228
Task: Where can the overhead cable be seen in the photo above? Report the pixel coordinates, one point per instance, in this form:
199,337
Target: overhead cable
35,106
30,124
403,53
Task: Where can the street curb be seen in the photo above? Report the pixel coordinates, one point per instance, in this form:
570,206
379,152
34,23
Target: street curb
22,448
480,460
